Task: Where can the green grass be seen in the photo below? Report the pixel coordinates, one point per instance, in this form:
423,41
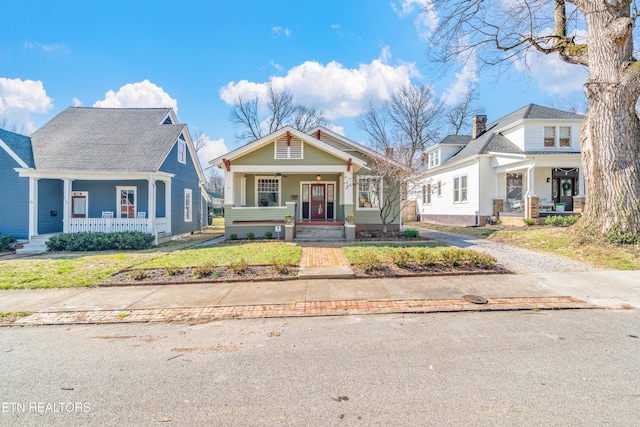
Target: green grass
223,254
384,251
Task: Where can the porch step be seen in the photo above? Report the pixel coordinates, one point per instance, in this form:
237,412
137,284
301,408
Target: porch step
320,233
35,245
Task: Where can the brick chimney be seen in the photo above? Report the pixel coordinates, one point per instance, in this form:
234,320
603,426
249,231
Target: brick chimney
479,125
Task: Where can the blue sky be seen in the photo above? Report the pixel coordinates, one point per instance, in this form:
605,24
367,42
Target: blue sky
199,55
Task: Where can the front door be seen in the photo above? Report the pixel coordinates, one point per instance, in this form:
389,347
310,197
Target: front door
318,201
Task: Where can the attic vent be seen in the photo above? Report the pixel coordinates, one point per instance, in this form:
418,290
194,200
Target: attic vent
286,151
167,121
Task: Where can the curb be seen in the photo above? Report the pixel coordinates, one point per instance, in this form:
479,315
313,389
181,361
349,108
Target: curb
298,309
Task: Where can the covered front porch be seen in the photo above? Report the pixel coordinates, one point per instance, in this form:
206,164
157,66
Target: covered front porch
538,189
100,203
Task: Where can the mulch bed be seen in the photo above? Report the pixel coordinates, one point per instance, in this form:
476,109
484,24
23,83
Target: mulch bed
415,270
392,236
160,276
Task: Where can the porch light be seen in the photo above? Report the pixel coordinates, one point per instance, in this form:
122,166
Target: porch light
318,178
548,179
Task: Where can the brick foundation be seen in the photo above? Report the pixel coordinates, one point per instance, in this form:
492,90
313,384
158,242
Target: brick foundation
533,207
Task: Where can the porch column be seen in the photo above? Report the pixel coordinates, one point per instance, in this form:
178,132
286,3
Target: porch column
33,207
66,210
228,188
151,204
167,203
581,188
347,188
531,176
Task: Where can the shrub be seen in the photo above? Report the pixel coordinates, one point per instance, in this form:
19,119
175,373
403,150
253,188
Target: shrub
619,237
6,242
529,221
451,257
204,270
561,221
138,274
480,260
401,258
233,236
411,234
251,235
282,266
427,257
368,262
268,235
239,266
174,270
98,241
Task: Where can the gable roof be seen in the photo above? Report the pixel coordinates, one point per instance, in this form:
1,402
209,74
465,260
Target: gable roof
17,146
105,139
492,141
254,145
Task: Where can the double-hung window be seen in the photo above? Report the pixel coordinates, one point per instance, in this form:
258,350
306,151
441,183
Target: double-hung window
268,191
182,150
557,136
460,189
426,194
369,192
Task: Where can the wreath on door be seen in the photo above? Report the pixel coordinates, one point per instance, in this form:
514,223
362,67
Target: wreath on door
566,186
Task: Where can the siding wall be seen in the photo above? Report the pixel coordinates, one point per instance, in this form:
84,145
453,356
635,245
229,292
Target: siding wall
534,135
103,195
14,199
50,198
265,156
185,177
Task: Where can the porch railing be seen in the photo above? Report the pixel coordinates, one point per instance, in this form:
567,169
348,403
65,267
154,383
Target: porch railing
110,225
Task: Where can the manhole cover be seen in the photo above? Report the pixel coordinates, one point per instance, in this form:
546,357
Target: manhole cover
476,299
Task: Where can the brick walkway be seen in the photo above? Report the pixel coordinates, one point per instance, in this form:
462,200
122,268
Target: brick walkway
299,309
322,257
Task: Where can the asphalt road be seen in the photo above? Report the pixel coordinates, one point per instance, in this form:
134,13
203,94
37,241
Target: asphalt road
502,369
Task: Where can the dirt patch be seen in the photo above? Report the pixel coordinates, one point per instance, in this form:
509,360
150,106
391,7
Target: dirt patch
415,270
391,236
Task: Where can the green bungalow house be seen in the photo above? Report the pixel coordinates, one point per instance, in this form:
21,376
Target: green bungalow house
304,186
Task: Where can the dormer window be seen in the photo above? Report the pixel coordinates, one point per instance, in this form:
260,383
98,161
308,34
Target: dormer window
182,150
557,136
167,121
434,159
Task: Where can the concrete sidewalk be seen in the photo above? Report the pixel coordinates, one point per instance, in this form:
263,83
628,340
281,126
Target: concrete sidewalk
605,289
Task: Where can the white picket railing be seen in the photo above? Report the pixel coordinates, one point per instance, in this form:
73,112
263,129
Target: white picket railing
110,225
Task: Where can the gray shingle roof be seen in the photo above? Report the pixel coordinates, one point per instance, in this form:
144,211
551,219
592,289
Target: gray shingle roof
492,141
105,139
19,144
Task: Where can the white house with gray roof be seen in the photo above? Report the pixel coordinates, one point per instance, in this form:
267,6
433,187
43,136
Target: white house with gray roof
526,164
112,169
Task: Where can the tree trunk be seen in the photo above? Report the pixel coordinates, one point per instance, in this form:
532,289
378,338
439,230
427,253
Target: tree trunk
610,136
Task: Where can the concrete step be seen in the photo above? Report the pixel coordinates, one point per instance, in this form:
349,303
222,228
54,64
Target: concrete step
319,233
35,245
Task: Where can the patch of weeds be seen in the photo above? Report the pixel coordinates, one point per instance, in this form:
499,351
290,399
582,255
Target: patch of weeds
124,315
138,274
561,221
368,261
281,265
536,309
239,266
401,257
13,315
174,270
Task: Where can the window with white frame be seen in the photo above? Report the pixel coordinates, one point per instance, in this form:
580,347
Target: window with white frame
557,136
79,204
188,205
426,194
369,192
460,189
439,188
434,159
288,148
268,191
126,202
182,150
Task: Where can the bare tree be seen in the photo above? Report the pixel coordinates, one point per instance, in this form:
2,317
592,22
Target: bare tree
281,110
501,32
215,181
459,115
404,126
12,127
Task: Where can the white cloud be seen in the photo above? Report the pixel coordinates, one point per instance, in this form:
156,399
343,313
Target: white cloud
76,102
465,79
338,91
276,65
426,21
337,129
21,98
335,27
551,73
46,47
143,94
281,31
212,149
